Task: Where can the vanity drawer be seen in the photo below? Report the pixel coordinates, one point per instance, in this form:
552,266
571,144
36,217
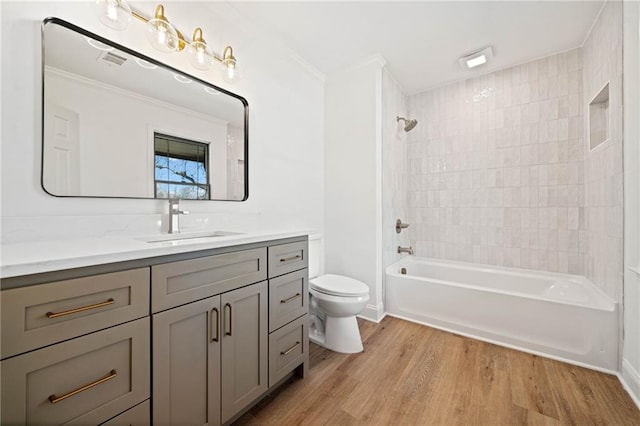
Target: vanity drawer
287,258
39,315
288,348
140,415
288,298
178,283
86,380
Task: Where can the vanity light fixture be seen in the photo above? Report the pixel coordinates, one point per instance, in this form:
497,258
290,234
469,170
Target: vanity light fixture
164,37
200,56
161,34
476,58
115,14
230,63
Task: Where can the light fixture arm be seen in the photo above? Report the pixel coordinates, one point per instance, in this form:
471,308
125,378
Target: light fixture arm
227,55
182,40
197,35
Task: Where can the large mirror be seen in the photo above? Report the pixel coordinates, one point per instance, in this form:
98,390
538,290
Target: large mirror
119,124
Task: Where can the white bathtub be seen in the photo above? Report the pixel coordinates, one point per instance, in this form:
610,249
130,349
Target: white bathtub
559,316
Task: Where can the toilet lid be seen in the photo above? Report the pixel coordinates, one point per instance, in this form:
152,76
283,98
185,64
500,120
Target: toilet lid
338,285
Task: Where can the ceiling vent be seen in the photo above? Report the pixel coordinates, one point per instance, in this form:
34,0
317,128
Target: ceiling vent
476,58
112,58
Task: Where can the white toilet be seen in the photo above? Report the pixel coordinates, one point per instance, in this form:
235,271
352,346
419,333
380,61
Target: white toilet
335,300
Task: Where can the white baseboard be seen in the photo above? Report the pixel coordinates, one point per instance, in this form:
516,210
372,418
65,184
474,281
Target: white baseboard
373,313
630,380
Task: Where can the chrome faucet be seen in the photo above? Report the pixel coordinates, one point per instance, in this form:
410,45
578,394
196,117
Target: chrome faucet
174,215
400,226
408,250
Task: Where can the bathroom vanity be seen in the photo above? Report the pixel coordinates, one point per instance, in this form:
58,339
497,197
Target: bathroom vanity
169,334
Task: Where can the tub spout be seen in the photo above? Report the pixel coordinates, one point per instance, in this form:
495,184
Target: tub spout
407,250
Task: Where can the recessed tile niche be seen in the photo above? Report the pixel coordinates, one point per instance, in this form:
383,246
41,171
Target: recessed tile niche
599,118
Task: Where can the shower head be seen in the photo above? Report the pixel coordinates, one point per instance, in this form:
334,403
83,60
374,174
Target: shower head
408,124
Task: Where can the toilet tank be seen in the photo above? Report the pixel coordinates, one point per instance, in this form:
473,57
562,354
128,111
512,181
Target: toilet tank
315,249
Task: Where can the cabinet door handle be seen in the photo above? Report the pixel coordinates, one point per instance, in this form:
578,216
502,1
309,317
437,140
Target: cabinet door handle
55,399
228,333
291,349
81,309
289,299
287,259
217,326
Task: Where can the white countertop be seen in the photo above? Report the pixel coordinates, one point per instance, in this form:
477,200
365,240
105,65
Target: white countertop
47,256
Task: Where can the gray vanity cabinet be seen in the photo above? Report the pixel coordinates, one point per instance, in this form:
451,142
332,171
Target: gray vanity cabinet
210,357
186,364
190,339
244,347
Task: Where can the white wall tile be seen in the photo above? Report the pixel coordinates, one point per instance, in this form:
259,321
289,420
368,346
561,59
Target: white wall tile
603,165
514,151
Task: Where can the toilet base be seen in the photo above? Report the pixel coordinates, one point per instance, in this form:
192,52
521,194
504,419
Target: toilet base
342,335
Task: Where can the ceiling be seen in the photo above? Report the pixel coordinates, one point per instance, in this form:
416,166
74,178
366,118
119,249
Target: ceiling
422,40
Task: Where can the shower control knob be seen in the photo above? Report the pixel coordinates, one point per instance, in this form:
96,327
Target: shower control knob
400,226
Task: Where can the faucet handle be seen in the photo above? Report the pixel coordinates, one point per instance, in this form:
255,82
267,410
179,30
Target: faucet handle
184,212
400,226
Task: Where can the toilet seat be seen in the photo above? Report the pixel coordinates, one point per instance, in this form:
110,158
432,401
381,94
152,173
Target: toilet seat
338,285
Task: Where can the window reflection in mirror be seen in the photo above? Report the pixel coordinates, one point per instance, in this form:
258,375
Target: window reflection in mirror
181,168
117,124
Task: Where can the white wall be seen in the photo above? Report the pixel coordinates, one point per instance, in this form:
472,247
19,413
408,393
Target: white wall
285,158
353,243
630,369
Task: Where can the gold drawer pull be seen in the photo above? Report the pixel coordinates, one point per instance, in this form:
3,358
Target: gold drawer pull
291,349
55,399
81,309
289,299
287,259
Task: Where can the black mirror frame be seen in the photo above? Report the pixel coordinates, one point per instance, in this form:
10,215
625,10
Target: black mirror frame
82,31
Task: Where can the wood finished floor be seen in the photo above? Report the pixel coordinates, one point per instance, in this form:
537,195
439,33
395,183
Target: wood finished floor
410,374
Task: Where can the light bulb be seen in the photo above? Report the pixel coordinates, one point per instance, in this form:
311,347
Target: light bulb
199,55
161,34
115,14
230,64
231,73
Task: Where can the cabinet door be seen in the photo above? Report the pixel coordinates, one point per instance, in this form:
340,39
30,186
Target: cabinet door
244,347
186,364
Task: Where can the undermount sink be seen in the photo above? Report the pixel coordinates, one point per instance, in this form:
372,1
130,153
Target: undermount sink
188,236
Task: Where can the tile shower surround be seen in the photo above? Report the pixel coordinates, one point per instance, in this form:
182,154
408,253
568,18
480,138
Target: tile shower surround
496,168
602,53
394,169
